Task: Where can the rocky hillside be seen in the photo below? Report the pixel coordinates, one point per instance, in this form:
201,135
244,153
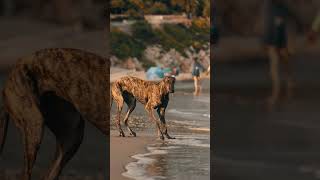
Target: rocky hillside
170,45
155,55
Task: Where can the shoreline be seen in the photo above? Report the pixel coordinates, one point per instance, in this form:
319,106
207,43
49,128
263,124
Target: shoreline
122,149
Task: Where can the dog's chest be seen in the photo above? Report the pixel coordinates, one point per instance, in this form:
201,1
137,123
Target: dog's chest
142,100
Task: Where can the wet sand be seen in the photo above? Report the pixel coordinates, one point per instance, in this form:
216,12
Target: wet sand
121,150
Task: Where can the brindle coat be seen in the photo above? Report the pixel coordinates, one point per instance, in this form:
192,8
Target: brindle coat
59,88
153,95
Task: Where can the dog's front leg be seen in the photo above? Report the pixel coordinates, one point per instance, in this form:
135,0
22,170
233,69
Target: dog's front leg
161,112
149,109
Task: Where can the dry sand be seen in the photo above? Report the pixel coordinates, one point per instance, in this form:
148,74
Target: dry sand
121,150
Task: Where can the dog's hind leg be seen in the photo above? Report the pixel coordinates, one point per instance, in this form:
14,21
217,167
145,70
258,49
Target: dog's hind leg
119,100
22,105
31,128
131,102
66,123
116,95
68,139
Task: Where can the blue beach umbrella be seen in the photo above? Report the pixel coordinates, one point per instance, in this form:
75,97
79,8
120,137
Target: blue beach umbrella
154,73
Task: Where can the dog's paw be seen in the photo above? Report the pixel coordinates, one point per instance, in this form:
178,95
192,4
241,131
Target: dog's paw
169,137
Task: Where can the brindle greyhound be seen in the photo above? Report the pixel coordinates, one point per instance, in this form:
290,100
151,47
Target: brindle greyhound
59,88
153,95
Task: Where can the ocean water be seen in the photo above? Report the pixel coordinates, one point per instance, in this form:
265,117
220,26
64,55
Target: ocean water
188,156
194,113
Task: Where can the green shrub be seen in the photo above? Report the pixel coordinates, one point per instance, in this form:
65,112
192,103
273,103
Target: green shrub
143,31
158,8
124,45
176,36
170,36
168,42
200,29
180,33
201,24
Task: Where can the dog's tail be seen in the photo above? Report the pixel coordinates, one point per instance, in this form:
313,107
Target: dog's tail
4,121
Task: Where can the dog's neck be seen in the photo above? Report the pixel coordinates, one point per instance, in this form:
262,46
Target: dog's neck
163,88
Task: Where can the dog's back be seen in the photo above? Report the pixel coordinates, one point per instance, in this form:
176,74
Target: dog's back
138,88
75,75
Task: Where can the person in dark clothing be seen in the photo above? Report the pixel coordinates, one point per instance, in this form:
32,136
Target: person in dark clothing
196,70
315,29
275,24
276,40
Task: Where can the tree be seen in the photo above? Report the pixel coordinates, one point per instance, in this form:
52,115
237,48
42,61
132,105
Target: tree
189,6
158,8
117,6
206,8
138,5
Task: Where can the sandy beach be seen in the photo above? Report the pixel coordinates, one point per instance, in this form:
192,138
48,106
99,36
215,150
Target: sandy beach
121,150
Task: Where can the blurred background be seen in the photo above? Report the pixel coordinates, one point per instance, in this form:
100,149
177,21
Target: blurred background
266,65
30,25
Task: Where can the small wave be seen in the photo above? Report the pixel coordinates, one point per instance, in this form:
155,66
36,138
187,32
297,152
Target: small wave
206,115
180,112
200,129
191,140
189,123
137,170
189,112
192,125
203,99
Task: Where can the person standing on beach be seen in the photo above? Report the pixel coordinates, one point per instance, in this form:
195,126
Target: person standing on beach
275,39
196,68
315,29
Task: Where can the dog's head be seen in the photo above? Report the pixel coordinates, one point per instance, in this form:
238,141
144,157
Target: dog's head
169,83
